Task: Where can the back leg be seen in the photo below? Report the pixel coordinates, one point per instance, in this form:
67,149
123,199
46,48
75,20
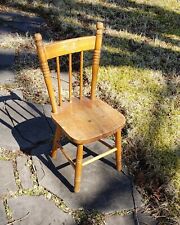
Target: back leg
56,140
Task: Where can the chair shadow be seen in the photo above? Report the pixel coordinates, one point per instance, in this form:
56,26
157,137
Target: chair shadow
11,23
29,132
33,131
34,134
44,156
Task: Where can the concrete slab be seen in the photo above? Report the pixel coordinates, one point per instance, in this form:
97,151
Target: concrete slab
8,141
6,61
23,125
3,93
3,218
41,149
64,80
120,220
22,23
6,76
47,110
5,30
24,172
7,179
37,210
144,218
5,17
102,187
6,58
14,94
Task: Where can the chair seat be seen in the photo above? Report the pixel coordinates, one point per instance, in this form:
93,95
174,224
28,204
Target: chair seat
87,120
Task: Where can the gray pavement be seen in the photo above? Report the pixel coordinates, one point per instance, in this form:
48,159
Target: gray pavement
6,58
37,210
23,125
7,75
24,172
103,188
7,179
3,219
20,23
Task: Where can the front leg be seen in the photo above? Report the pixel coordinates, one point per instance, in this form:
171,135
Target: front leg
78,168
119,150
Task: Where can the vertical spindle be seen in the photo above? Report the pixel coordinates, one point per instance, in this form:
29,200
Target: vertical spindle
59,80
70,76
81,75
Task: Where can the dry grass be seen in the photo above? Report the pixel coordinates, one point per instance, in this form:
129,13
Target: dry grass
16,41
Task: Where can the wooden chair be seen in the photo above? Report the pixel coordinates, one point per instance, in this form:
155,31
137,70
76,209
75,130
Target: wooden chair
82,120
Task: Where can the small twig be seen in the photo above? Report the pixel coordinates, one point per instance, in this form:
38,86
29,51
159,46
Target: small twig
136,219
20,219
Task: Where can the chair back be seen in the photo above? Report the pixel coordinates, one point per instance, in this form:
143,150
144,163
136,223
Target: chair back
68,47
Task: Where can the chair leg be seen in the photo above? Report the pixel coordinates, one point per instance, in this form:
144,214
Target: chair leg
78,169
55,142
119,150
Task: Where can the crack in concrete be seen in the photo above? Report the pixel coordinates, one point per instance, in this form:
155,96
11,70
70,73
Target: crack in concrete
47,120
135,216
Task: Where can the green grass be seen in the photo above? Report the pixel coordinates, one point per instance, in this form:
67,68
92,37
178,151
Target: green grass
139,76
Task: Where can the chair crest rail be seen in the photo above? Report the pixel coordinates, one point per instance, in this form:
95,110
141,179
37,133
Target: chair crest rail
69,46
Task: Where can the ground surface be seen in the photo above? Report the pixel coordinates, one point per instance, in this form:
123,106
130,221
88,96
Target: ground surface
38,190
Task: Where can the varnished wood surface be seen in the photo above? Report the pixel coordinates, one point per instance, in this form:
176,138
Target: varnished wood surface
119,151
96,58
58,80
45,69
81,75
82,119
78,169
88,120
73,45
68,47
70,76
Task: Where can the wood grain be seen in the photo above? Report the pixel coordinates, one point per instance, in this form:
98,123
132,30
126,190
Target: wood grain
82,120
66,47
118,152
88,120
45,70
96,58
78,169
81,76
70,77
59,80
